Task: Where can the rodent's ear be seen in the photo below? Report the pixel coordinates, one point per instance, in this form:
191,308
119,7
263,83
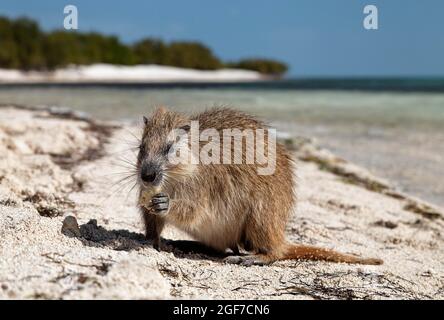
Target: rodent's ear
145,120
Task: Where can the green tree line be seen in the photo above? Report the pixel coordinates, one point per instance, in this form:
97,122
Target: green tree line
23,45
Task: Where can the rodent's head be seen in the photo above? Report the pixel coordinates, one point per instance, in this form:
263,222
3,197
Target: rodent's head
153,165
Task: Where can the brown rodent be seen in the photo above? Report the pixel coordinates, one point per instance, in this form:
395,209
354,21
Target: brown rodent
225,206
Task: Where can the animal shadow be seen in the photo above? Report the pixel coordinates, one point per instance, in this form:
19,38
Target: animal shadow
94,235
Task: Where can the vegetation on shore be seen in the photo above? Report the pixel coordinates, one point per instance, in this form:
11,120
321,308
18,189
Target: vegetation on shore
23,45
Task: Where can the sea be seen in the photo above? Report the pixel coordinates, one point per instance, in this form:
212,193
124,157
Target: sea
392,126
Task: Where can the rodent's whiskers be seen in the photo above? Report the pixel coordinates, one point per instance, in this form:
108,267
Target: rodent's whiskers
123,151
125,178
118,173
133,135
124,142
132,143
121,185
172,175
127,161
130,190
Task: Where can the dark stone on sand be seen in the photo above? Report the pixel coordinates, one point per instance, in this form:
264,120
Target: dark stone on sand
70,227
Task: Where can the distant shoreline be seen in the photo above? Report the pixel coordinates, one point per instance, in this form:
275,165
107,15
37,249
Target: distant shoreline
160,77
108,73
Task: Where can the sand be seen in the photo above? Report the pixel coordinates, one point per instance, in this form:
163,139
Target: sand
115,73
59,165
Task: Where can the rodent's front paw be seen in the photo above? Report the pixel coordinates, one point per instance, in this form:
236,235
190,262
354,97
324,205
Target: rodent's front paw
160,204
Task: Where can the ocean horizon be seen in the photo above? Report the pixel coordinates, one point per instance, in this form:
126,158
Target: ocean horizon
353,83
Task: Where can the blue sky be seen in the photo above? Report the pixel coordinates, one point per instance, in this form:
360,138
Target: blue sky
315,37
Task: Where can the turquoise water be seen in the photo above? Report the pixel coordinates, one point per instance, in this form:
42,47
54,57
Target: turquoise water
397,135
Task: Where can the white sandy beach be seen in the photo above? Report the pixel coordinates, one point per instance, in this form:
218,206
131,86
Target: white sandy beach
121,74
54,165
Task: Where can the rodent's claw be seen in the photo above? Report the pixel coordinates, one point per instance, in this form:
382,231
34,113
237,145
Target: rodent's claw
160,198
160,206
160,203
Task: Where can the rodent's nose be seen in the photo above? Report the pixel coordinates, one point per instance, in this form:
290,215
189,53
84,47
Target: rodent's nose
148,177
149,174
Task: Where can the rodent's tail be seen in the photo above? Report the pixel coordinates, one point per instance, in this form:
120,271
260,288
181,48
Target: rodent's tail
296,251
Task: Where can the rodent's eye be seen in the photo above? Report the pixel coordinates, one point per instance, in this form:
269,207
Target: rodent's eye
168,147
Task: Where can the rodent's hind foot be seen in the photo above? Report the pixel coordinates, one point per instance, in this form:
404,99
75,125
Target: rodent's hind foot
247,261
162,244
157,245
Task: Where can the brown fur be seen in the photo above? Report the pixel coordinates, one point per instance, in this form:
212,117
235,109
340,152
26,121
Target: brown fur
229,206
